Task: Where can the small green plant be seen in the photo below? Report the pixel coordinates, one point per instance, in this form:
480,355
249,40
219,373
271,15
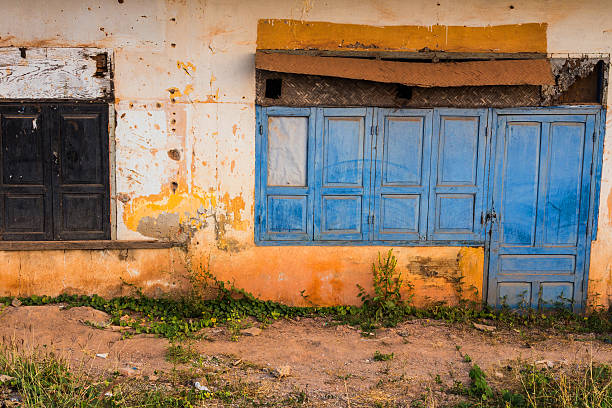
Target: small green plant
95,325
386,304
479,387
513,399
234,324
178,354
467,358
378,356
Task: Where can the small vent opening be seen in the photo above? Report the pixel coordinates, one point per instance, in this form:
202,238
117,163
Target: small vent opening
404,92
273,88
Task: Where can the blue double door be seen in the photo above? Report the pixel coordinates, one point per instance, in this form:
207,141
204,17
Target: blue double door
540,189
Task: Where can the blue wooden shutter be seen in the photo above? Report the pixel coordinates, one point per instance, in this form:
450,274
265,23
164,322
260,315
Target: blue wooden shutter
343,174
286,173
402,174
457,185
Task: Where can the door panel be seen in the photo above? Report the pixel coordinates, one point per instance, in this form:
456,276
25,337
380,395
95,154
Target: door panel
403,144
25,207
458,175
563,184
521,158
540,210
24,213
343,174
81,144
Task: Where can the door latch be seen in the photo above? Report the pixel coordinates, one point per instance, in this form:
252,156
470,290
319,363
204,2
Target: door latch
490,216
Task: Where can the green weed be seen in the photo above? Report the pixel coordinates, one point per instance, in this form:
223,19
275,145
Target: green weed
179,354
378,356
479,387
386,305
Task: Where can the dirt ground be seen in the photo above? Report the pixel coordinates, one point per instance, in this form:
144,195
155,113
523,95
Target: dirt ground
331,364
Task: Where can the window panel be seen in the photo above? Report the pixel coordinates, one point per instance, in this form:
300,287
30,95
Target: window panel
22,149
343,174
287,151
401,174
456,196
287,214
81,176
286,170
25,193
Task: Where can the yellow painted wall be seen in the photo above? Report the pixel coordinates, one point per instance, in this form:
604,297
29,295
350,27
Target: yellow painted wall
185,153
284,34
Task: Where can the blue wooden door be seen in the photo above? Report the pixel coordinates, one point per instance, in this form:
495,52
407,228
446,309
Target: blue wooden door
403,145
343,156
540,209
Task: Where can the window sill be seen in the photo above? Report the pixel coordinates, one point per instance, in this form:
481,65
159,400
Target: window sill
99,244
456,243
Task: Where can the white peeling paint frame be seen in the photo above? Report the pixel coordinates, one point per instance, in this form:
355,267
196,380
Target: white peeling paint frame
55,73
112,163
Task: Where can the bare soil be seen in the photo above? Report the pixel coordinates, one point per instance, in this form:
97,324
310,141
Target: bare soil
333,365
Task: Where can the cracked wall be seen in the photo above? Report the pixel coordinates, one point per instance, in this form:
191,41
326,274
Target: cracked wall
184,84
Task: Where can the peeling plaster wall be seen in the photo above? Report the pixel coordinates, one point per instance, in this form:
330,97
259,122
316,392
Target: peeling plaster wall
184,85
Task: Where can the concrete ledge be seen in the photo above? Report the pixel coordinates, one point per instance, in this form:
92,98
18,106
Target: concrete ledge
102,244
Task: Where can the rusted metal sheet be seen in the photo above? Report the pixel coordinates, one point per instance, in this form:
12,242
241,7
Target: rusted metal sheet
55,73
446,74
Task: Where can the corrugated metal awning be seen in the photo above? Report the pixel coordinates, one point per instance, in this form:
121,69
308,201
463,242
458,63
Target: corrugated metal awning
440,74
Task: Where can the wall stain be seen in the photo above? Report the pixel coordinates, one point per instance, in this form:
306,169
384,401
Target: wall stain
177,215
464,273
187,67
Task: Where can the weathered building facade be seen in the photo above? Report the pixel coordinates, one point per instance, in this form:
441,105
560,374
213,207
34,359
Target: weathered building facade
181,121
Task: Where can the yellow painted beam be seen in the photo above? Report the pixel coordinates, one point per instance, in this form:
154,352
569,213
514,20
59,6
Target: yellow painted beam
295,35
